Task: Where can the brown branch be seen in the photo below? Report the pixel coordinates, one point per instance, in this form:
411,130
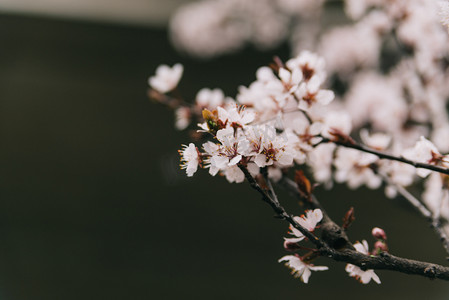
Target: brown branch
386,261
280,211
335,244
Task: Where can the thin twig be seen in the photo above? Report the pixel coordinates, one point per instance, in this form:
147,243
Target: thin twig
388,156
280,211
425,212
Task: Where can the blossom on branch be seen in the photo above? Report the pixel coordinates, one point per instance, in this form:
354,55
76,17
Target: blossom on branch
189,159
300,268
354,271
309,222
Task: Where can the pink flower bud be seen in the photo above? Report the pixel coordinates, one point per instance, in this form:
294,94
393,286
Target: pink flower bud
289,246
379,233
380,246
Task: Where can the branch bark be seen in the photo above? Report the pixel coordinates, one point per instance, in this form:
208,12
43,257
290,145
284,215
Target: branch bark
335,244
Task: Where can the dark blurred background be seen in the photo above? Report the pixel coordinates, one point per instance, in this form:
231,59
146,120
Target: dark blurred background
93,205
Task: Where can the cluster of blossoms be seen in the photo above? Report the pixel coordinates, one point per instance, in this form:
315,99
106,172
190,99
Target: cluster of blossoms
387,61
276,122
286,119
388,68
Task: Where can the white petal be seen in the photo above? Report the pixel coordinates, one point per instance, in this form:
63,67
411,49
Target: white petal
260,160
235,160
305,275
324,97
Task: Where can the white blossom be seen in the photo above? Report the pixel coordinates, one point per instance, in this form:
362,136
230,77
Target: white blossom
354,271
309,222
424,151
189,159
166,78
300,268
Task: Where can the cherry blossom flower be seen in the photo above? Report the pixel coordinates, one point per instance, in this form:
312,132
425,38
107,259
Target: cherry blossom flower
236,116
310,64
166,78
309,221
354,271
310,93
425,151
300,268
189,159
291,79
276,150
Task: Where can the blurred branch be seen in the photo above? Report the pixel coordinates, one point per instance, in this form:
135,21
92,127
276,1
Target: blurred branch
386,156
425,212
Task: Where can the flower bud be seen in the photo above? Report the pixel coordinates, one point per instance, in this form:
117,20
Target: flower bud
379,233
380,246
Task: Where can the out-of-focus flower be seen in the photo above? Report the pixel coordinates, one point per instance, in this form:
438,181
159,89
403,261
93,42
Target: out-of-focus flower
210,99
354,168
182,118
166,78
